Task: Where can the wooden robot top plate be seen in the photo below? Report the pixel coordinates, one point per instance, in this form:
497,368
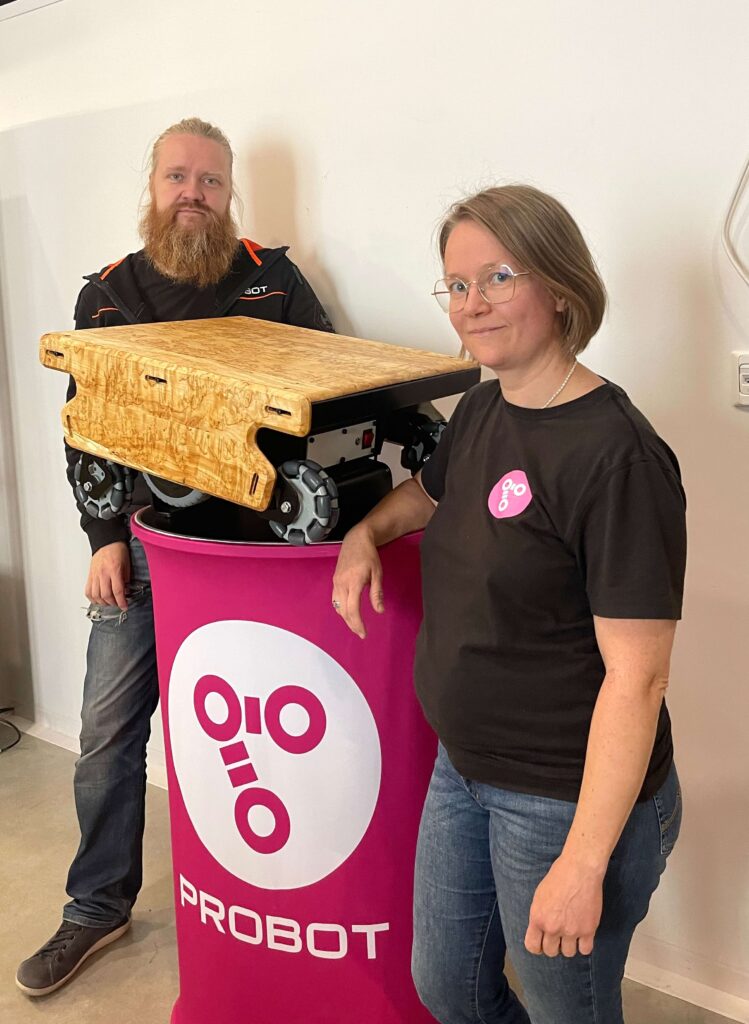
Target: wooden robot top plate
184,400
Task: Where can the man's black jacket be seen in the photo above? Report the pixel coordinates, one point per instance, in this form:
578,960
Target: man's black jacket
261,283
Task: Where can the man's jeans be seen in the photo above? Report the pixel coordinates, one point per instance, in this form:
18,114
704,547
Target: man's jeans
120,693
481,853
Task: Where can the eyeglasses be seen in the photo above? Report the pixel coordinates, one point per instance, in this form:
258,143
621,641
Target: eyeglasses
495,285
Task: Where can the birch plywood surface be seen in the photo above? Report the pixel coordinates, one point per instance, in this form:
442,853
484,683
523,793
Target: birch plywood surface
184,400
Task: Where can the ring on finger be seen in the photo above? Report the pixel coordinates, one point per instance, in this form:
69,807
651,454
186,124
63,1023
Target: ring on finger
336,604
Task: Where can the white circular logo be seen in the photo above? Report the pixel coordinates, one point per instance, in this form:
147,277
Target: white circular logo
276,752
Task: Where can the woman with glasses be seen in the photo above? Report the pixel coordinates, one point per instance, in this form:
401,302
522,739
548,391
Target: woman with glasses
552,563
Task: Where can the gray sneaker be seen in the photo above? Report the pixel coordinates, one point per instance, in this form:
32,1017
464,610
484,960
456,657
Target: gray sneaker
58,960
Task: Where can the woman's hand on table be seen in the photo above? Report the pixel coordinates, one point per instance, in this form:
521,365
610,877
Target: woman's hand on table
358,566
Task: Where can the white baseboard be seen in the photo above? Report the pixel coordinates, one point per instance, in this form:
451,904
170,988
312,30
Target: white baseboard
690,991
692,975
156,764
157,777
44,732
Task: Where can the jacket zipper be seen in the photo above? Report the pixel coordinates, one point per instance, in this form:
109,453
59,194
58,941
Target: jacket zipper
112,295
251,280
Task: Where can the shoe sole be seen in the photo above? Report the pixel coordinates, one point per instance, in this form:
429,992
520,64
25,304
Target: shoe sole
105,941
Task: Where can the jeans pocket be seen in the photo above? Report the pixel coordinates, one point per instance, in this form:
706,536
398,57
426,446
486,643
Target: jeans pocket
135,591
668,806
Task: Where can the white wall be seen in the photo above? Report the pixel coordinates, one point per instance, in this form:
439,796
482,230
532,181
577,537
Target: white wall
354,125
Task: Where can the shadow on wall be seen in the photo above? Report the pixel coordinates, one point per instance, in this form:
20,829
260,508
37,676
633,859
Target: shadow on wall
273,207
708,872
701,891
16,688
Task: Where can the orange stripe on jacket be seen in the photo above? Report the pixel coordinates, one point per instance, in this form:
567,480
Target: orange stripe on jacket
251,248
104,309
254,298
111,267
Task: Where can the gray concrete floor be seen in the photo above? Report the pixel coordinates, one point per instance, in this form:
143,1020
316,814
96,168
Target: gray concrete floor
132,980
136,978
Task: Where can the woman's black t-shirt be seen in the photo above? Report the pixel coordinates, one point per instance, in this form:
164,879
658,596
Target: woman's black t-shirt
546,517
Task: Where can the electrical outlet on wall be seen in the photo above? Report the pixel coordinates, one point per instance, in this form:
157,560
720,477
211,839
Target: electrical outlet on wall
740,378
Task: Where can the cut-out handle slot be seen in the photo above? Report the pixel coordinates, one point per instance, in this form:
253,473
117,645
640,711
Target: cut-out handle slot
277,411
52,352
155,380
253,483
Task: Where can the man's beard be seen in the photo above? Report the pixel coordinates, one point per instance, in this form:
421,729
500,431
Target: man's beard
199,255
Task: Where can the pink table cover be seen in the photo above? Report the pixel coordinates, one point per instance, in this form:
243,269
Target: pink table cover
298,761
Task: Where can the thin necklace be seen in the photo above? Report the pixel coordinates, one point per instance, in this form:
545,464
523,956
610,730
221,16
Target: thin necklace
562,386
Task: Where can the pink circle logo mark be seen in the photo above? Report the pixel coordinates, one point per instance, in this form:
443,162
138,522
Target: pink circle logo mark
283,697
276,752
511,495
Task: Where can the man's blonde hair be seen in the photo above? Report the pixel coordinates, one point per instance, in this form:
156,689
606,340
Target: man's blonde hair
543,237
191,126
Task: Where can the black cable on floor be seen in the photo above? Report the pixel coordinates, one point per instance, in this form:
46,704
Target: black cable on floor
4,721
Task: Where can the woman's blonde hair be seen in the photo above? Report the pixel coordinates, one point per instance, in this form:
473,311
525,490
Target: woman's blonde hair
539,232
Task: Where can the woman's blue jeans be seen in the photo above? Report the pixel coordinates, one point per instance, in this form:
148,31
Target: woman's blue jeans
120,693
482,851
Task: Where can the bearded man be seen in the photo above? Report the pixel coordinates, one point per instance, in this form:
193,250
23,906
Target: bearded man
192,266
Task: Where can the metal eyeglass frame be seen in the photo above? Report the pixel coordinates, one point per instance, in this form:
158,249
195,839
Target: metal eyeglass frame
436,292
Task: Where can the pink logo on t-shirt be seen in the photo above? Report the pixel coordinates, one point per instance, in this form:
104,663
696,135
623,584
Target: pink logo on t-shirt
511,496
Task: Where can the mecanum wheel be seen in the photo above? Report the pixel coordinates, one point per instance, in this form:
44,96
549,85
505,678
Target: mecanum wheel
317,496
103,488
